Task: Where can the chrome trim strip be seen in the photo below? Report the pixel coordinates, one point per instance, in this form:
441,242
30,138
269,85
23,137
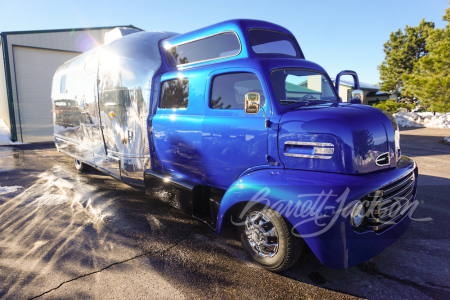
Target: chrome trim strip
115,154
309,144
113,157
65,138
72,143
131,155
201,38
307,156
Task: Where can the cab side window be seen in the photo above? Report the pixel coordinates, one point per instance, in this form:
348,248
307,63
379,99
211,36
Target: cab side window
174,94
228,90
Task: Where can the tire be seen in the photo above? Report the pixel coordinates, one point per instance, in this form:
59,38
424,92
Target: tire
80,166
258,225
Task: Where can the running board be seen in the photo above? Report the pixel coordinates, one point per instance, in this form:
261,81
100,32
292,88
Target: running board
201,202
176,192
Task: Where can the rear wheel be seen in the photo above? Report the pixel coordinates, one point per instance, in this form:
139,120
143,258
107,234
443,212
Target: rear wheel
81,167
267,238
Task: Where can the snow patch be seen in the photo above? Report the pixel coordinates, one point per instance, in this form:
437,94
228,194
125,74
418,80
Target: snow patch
5,135
424,119
9,189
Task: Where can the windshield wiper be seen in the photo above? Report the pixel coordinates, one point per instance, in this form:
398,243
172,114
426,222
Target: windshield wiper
295,101
306,96
306,102
312,99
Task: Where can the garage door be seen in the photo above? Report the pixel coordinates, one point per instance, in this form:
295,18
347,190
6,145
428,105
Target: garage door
34,72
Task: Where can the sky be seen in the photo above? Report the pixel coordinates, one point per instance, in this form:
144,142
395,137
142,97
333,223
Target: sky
338,35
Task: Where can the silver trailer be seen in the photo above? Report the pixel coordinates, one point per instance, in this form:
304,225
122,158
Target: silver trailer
101,104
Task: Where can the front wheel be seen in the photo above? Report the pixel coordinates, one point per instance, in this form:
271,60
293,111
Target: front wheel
81,167
267,238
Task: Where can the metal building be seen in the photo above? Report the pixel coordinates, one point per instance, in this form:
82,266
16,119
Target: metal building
30,58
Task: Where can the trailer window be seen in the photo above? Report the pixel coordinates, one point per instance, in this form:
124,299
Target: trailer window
62,87
228,90
213,47
273,42
174,94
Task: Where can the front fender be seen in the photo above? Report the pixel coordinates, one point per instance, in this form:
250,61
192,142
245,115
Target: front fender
318,205
295,194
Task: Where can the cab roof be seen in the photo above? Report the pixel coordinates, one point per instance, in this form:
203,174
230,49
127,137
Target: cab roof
239,26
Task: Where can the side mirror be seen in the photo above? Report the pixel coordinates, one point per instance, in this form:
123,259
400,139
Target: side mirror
252,103
346,72
357,97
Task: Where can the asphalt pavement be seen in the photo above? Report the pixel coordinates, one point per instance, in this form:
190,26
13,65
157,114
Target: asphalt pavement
67,235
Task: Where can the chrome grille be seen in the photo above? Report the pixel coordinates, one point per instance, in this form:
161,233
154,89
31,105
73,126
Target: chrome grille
386,206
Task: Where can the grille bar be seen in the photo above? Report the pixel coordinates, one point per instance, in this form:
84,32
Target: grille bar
387,205
382,209
393,197
392,214
388,190
391,222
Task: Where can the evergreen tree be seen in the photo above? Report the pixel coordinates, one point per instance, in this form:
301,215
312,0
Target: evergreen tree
430,79
402,51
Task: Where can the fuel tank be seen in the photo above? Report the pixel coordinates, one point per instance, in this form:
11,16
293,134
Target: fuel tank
338,138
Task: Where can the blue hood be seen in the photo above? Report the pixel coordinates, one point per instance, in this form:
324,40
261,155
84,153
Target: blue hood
359,135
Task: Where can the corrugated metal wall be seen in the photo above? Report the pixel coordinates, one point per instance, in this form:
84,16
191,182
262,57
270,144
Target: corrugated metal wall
73,41
34,69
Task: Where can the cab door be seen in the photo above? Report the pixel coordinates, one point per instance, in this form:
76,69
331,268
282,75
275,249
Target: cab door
232,141
176,126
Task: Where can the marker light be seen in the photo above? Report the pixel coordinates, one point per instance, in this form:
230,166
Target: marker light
111,114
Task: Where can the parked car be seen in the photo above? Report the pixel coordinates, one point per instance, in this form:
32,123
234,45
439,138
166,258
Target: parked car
231,124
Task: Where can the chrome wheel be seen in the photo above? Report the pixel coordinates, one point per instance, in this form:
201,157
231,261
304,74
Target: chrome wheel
261,234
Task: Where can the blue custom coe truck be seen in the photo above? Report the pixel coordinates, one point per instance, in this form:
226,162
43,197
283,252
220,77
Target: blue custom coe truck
231,124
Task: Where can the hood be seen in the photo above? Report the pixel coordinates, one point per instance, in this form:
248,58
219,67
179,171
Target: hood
343,138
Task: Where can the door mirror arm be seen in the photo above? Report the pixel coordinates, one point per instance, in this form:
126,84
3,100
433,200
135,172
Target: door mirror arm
266,122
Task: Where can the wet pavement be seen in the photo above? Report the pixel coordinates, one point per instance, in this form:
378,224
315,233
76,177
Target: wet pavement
67,235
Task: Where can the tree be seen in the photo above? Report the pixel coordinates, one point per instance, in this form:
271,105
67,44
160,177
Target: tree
430,79
392,106
402,51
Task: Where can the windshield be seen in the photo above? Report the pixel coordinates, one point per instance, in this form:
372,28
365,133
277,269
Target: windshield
273,42
294,86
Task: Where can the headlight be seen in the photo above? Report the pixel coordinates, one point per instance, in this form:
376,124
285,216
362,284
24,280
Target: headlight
357,215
